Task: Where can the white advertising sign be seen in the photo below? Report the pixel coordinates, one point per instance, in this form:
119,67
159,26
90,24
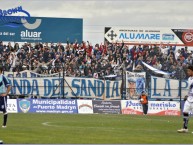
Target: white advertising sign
12,106
85,106
147,35
154,107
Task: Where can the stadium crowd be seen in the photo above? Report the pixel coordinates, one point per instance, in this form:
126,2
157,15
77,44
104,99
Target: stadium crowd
85,59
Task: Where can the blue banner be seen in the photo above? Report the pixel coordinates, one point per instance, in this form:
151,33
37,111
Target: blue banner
42,29
47,106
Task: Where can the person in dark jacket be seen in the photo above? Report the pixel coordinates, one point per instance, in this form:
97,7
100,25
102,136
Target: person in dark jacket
5,88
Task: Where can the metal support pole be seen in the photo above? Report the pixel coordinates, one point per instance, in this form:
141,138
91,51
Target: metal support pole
122,86
180,88
63,80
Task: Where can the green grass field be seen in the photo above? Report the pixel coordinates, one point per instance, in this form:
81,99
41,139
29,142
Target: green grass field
94,129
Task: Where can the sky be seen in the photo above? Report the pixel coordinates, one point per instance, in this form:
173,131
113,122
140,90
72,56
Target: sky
98,14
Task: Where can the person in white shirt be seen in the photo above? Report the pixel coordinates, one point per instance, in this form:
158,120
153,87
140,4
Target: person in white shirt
177,54
188,105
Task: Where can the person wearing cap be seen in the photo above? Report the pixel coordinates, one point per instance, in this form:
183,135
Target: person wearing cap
188,105
144,101
131,88
5,88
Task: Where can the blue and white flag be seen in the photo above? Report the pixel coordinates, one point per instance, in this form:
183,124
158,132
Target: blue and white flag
155,69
